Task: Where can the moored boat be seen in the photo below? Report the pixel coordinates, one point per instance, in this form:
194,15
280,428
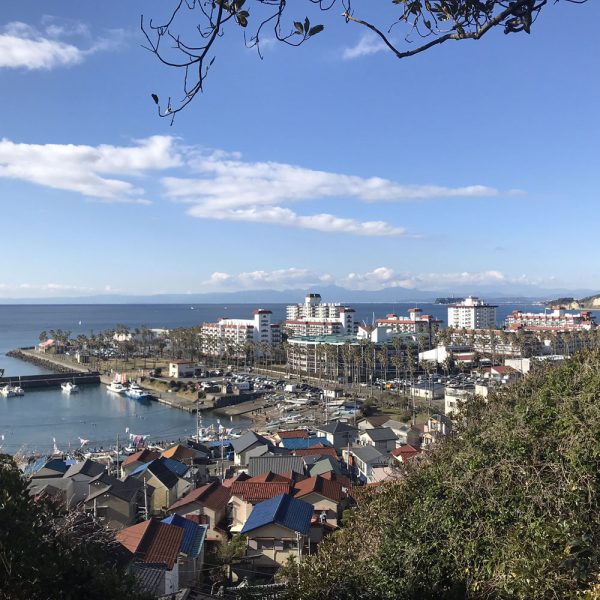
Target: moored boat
117,387
136,392
69,387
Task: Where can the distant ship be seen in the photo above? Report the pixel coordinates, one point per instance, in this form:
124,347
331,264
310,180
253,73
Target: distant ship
449,300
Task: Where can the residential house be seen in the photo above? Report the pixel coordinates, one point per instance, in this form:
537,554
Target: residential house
436,428
276,464
133,461
47,469
373,421
299,443
191,550
246,494
405,432
339,435
164,482
405,453
382,438
362,459
328,499
156,545
292,433
117,503
277,530
247,442
207,505
324,464
318,450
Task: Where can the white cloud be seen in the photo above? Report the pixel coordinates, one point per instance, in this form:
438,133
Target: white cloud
379,278
232,189
88,169
24,47
42,290
367,44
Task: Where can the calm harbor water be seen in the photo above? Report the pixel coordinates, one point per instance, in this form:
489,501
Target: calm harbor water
32,421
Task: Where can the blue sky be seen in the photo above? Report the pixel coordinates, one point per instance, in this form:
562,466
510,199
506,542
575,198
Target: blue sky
472,165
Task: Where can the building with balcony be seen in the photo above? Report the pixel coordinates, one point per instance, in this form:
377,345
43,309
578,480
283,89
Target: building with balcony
472,313
558,319
234,335
314,317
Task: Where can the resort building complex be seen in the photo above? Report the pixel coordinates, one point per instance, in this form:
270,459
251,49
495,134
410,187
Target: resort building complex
235,334
472,313
557,319
314,317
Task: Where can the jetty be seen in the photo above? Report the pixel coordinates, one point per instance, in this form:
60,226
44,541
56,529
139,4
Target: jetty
50,380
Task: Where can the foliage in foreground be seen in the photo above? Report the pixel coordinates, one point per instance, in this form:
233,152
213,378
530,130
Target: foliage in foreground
507,508
45,554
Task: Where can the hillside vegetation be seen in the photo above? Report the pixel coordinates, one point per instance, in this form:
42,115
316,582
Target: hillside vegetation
507,508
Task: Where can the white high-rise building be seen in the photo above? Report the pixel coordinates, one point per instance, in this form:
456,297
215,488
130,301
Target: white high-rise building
235,334
314,317
472,313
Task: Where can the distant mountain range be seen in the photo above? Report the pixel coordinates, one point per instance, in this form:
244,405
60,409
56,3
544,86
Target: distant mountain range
518,295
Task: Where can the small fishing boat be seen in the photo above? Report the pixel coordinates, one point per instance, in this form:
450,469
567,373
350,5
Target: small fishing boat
69,387
117,387
136,392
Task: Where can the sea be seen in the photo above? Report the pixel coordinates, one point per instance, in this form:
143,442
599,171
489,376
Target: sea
40,419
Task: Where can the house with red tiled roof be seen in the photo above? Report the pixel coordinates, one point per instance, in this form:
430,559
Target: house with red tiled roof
158,545
405,453
208,504
328,498
293,434
318,450
133,461
246,494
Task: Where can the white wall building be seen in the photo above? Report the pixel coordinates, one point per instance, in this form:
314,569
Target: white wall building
314,317
558,320
472,313
235,334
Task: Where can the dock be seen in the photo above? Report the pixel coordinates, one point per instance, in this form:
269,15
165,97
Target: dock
52,380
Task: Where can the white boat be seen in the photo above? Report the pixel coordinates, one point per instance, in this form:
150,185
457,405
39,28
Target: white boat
18,390
7,391
136,392
69,387
117,387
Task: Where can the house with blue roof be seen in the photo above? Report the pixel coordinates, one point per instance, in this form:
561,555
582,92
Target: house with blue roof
301,444
191,549
276,530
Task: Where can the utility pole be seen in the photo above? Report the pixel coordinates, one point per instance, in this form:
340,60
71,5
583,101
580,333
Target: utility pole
145,500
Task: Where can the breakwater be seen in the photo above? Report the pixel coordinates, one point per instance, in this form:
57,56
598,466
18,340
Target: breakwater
31,356
54,380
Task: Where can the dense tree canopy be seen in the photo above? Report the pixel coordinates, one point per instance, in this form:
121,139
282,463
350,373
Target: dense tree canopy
46,554
189,36
509,507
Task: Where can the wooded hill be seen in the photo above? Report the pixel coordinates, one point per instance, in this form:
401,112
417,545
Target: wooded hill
508,507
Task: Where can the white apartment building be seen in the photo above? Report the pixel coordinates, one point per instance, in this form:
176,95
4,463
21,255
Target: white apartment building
314,317
556,320
235,334
472,313
416,322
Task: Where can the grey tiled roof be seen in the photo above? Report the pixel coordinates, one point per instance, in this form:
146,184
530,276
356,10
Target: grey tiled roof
336,427
368,454
247,440
380,434
258,465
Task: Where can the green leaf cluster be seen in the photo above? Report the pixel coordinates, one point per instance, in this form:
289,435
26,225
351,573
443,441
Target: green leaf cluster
46,554
508,507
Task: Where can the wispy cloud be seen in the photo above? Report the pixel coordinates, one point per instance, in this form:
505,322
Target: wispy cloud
23,46
233,189
88,170
367,44
379,278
